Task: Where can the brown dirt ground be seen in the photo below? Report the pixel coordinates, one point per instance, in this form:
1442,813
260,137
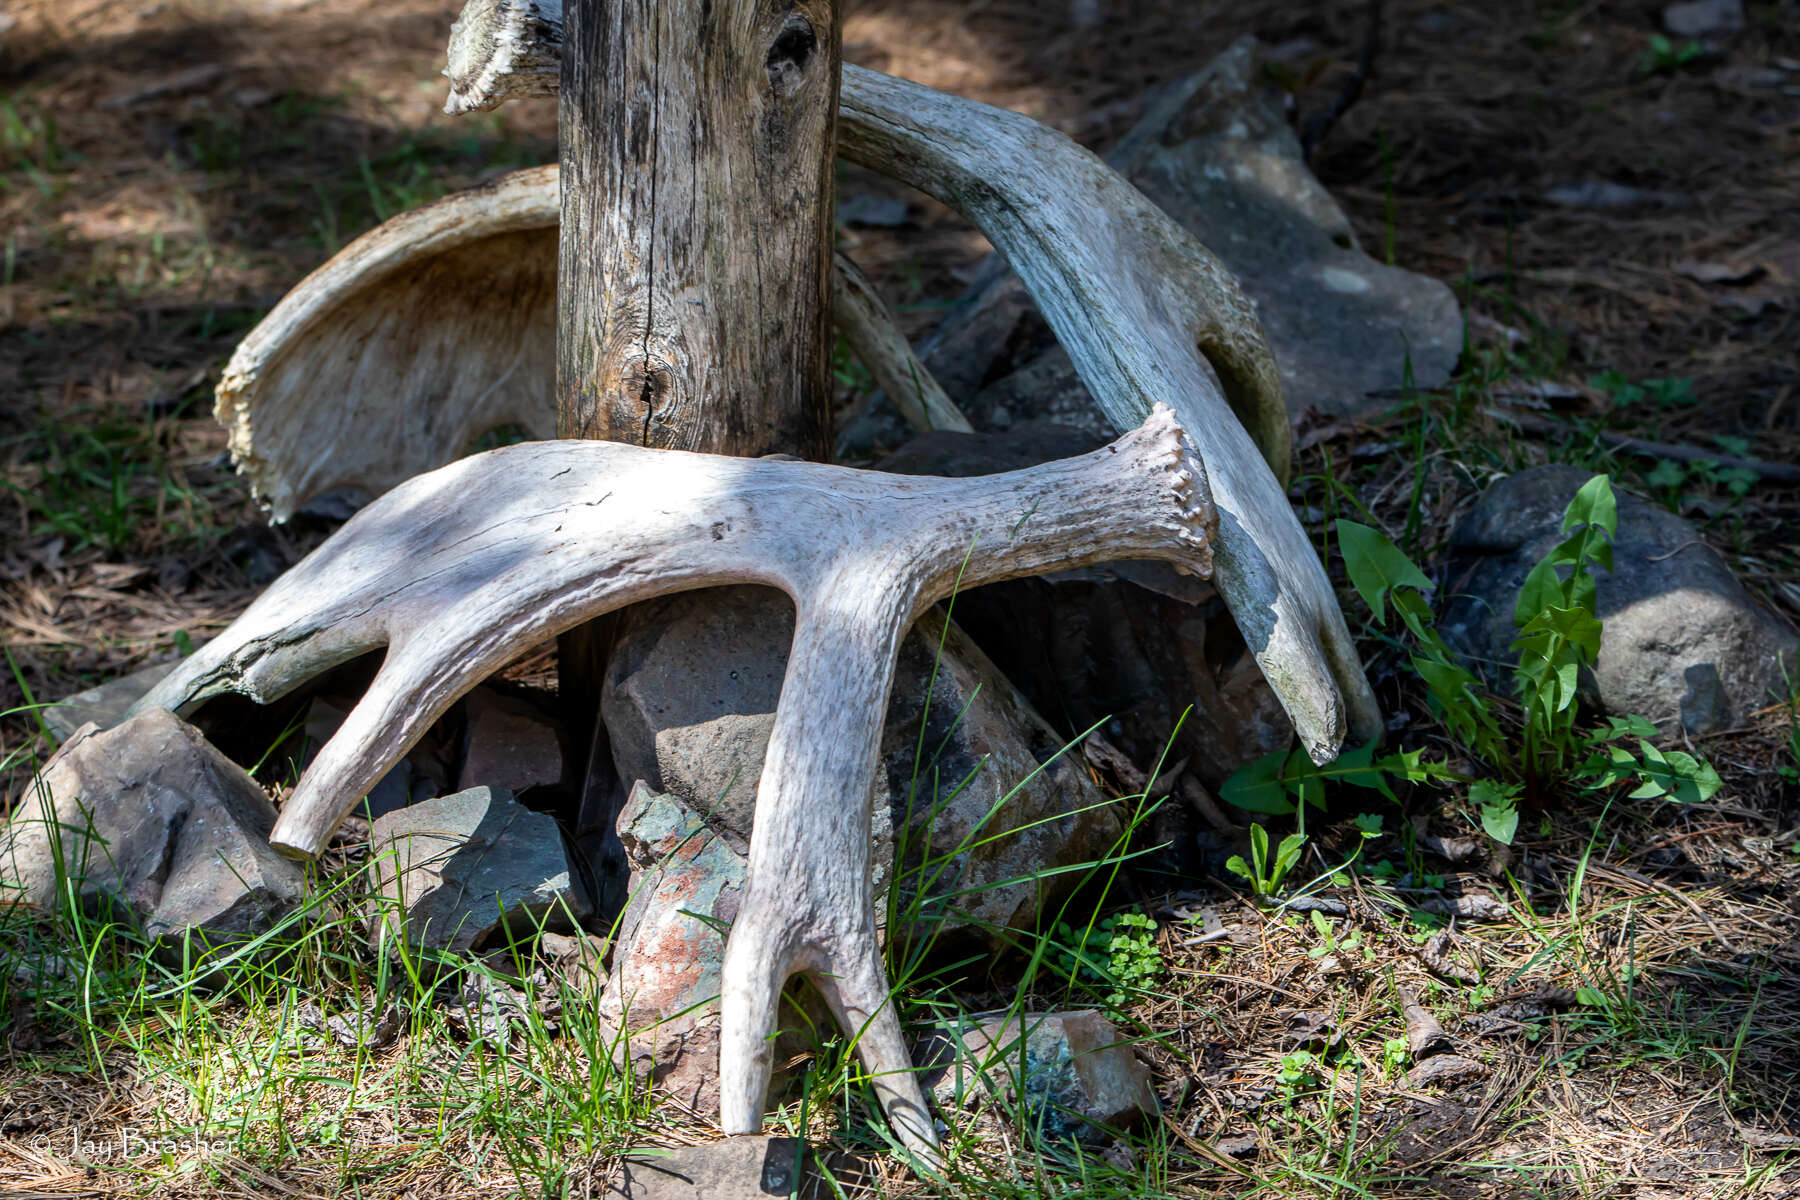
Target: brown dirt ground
172,166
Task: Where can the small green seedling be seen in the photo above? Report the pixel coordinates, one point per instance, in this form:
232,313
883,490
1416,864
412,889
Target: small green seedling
1665,56
1329,942
1264,871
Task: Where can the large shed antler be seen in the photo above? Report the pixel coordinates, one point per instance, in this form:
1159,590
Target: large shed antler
1146,313
567,531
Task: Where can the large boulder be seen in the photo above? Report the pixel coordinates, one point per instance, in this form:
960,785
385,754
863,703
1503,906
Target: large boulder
1683,644
467,871
149,819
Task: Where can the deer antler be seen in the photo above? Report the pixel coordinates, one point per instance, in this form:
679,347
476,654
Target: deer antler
567,531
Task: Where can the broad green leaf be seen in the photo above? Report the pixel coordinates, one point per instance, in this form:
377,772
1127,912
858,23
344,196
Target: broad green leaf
1288,853
1237,866
1627,726
1376,566
1542,589
1594,505
1358,768
1257,787
1499,806
1675,774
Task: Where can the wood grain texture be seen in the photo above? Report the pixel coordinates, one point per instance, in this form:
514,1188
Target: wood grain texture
693,295
569,530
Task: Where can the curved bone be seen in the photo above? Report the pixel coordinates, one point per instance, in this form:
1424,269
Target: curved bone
878,344
565,531
1142,308
440,325
1147,315
415,339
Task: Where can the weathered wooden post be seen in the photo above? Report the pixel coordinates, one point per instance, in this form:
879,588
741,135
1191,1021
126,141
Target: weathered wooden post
694,270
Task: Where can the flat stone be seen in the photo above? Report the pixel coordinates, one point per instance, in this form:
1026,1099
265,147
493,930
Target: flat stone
1073,1074
748,1167
1684,644
461,872
1704,18
510,743
104,705
152,819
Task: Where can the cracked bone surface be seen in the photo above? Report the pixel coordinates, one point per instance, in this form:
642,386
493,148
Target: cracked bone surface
566,531
1147,316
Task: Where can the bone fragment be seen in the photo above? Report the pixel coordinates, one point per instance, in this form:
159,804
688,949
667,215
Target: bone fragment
411,342
458,570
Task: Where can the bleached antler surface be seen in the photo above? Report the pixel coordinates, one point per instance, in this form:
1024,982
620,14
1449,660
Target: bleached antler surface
565,531
426,332
1146,314
877,342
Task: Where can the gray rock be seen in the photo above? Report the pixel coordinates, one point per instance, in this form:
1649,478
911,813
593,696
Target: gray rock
510,743
150,818
1683,642
1704,18
686,882
1216,153
1070,1075
463,871
104,705
689,701
748,1167
1604,194
1130,641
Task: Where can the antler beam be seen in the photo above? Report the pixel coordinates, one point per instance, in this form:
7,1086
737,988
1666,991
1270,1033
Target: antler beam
568,531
